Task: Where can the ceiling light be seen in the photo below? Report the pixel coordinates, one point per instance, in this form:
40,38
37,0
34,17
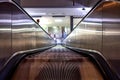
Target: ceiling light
42,13
58,20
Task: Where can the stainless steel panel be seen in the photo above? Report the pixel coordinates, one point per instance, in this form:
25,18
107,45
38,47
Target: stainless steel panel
23,31
88,33
19,32
26,34
111,37
5,32
111,23
100,31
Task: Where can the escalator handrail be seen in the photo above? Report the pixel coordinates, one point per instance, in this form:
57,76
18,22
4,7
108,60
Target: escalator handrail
100,60
9,68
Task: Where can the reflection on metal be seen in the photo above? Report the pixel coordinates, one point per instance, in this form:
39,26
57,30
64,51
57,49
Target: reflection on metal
100,31
109,20
18,32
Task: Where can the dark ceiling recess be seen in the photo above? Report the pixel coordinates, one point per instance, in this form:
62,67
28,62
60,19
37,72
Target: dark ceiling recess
17,1
57,3
86,3
46,3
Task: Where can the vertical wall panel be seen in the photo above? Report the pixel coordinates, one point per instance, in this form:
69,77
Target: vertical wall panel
18,32
100,31
111,38
5,32
23,31
88,33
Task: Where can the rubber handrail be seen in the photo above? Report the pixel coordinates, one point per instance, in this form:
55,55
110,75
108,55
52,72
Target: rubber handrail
11,65
101,62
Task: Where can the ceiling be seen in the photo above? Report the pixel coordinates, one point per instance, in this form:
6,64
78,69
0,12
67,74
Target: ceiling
76,12
57,3
75,8
37,8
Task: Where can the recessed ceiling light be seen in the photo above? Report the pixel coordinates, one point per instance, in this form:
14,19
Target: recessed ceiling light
58,20
42,13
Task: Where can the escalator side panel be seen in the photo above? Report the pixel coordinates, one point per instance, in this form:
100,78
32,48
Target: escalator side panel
18,32
100,31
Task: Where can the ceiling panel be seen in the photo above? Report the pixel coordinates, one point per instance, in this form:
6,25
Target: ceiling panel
58,3
57,11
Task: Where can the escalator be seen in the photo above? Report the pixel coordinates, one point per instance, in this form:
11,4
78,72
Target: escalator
42,61
57,63
61,63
